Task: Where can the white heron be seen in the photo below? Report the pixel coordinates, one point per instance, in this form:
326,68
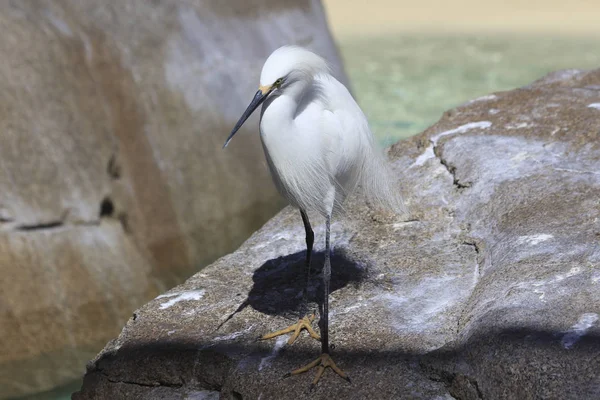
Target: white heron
319,149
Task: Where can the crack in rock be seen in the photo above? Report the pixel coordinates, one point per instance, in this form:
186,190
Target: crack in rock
48,225
473,243
40,226
434,148
53,225
451,170
106,210
460,387
478,268
152,385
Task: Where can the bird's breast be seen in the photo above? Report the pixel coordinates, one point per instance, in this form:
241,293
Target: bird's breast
296,156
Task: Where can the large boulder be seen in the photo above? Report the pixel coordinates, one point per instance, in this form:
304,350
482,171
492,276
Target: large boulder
113,184
489,290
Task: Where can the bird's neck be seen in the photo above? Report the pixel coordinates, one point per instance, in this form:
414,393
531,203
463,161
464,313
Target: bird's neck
277,114
285,106
298,89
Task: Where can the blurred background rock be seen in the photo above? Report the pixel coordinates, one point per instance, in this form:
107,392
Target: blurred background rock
113,185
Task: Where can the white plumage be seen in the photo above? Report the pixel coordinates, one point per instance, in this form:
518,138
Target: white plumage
317,141
319,149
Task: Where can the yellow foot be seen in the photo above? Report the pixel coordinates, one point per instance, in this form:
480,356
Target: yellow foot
324,361
304,323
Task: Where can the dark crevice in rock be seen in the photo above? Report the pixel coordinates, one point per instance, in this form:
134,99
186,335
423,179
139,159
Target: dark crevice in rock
473,243
44,225
40,226
152,385
451,170
55,224
107,208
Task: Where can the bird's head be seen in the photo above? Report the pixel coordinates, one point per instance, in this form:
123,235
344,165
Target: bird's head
289,68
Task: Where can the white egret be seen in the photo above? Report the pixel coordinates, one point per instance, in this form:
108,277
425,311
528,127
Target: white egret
319,149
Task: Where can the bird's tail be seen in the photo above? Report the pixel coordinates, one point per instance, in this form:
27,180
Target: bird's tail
378,182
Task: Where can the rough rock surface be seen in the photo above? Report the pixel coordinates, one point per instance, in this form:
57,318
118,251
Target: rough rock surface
113,184
489,290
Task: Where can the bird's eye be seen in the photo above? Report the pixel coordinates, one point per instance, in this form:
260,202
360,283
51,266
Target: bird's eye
278,82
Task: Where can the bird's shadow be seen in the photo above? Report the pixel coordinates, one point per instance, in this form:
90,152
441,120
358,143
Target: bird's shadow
279,283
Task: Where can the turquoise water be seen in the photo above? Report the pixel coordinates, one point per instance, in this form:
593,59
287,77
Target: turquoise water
405,83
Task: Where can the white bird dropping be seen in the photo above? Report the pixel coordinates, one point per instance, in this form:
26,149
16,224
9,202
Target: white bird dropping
319,149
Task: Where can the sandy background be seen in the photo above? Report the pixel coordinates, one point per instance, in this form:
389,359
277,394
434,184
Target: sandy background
557,17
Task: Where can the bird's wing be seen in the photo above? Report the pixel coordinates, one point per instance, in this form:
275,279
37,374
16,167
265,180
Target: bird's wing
357,156
351,119
343,136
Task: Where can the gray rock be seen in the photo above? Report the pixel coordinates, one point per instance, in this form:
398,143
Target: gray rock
113,184
489,290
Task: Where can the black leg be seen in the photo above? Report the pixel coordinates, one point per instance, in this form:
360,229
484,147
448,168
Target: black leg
324,361
326,279
310,238
304,320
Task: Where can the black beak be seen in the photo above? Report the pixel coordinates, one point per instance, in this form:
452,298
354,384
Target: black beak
259,97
